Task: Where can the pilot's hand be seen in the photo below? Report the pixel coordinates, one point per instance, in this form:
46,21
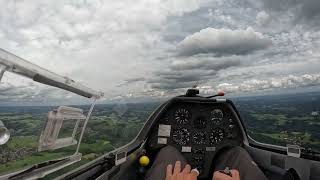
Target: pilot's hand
177,174
221,176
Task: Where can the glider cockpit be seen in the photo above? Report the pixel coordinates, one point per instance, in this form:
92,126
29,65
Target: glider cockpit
199,129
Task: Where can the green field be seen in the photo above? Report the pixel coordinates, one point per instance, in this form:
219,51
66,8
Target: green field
89,151
105,132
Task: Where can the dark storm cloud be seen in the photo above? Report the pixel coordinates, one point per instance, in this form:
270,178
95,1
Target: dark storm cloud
221,42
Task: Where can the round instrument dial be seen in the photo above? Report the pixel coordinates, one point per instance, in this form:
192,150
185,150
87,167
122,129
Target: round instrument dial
216,135
182,115
217,116
199,138
181,136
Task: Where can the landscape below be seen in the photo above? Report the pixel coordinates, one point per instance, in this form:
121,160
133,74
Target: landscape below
273,119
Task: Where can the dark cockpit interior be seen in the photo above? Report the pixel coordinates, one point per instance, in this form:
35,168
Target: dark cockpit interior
198,129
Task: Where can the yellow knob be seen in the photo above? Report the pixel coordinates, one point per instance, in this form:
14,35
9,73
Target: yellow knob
144,161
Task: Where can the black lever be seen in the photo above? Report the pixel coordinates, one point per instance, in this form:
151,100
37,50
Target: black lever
221,93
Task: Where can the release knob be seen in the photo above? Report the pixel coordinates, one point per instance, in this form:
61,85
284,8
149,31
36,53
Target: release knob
144,161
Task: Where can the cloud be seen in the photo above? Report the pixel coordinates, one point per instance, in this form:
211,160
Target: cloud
137,79
263,18
23,91
130,81
253,85
190,71
170,80
99,43
223,42
205,63
279,5
303,11
159,48
19,93
8,90
309,10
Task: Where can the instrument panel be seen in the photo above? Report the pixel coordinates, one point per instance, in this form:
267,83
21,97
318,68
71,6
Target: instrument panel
198,130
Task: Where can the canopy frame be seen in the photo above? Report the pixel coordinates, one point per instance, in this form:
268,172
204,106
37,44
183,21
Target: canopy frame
20,66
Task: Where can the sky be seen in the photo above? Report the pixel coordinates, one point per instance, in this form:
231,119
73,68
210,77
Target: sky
159,48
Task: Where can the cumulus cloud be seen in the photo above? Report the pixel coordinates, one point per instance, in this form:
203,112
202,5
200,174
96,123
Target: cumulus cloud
223,42
96,42
253,85
171,80
136,43
187,72
263,18
205,63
